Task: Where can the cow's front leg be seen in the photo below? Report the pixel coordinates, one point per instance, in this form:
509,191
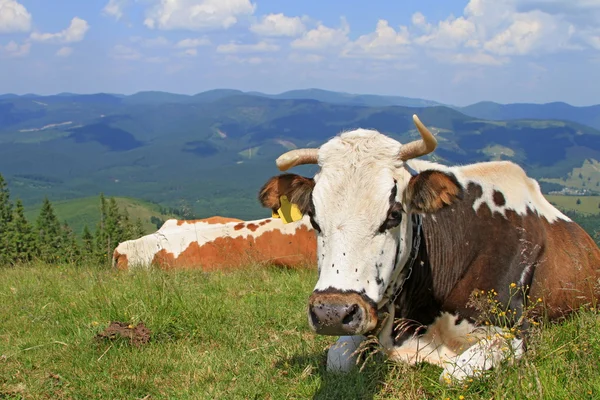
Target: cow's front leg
342,355
486,354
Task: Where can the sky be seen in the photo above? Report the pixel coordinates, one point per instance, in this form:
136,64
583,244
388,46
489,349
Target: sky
454,52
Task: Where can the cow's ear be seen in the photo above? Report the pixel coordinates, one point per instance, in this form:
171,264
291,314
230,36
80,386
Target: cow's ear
298,190
430,191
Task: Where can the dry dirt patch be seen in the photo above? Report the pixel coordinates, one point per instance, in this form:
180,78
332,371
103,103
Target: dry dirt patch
136,334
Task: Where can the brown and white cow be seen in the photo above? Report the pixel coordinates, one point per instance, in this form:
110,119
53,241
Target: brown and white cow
403,244
219,243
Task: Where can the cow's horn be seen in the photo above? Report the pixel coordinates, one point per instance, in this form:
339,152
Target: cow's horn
419,147
297,157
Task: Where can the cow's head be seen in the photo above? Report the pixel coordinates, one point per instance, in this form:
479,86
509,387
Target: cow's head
360,203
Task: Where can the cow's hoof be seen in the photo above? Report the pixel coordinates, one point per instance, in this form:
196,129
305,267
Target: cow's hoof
341,356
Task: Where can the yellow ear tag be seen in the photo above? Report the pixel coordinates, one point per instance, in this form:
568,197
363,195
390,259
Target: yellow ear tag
288,212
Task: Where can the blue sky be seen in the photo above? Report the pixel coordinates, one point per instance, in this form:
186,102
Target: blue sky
457,52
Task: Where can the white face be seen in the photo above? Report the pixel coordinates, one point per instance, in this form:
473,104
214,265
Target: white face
363,232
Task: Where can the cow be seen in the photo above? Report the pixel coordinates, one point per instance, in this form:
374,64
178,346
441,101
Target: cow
219,243
404,245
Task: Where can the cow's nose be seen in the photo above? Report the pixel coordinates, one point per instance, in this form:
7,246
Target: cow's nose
336,319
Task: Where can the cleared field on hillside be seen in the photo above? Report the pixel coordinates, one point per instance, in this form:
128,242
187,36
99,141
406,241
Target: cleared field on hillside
239,335
589,204
86,211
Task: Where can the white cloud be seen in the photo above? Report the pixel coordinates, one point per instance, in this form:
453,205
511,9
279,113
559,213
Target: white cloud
13,49
122,52
304,58
197,14
74,33
384,43
189,53
14,17
489,31
193,43
278,25
159,41
253,60
114,8
260,47
323,37
64,52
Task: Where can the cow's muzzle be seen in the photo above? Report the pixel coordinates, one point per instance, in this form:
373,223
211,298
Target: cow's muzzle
340,314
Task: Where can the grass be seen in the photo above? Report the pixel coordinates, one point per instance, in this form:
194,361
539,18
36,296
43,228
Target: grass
585,177
236,335
588,204
86,211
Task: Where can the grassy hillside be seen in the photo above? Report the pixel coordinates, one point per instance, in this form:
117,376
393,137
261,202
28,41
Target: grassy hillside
86,211
587,204
240,335
589,115
214,150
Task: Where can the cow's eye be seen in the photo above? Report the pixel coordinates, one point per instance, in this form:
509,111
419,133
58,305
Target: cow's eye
393,219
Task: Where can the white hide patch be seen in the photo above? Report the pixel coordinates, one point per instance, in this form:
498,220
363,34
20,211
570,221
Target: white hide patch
520,192
175,238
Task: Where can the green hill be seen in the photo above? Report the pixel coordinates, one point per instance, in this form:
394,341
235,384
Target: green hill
211,152
86,211
589,115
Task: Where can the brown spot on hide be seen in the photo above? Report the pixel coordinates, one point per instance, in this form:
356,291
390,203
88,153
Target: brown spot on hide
430,191
499,199
120,261
298,190
471,250
252,227
211,220
266,221
239,226
226,253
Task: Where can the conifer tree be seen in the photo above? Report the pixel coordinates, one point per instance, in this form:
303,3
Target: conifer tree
6,214
49,235
100,236
70,252
24,240
138,229
87,248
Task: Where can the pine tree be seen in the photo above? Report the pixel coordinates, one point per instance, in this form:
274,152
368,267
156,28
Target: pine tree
70,253
23,235
49,235
7,247
101,236
139,231
87,248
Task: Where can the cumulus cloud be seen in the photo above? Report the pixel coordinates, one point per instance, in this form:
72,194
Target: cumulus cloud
260,47
13,49
14,17
278,25
159,41
384,43
64,51
197,14
74,33
323,37
193,43
114,8
122,52
489,31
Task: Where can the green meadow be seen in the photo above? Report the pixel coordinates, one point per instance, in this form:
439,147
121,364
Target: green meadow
234,335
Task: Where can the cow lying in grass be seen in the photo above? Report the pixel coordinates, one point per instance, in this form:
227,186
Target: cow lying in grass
219,243
403,244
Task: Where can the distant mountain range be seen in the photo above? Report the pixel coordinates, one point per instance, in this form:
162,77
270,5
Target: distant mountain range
212,151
